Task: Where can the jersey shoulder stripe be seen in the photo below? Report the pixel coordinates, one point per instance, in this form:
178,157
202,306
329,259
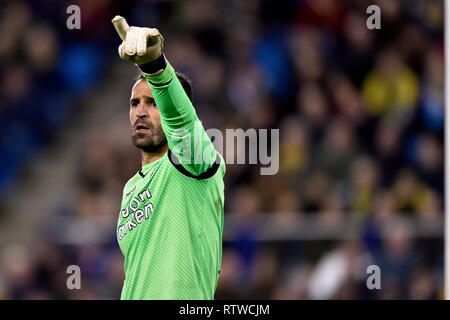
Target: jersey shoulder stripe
205,175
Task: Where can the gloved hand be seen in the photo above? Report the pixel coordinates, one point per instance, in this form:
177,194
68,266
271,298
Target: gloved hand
139,45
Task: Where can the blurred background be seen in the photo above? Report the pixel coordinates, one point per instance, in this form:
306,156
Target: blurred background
360,114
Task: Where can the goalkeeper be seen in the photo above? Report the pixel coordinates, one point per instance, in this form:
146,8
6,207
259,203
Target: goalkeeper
171,219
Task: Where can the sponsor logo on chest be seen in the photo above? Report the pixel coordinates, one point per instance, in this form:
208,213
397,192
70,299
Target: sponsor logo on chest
138,210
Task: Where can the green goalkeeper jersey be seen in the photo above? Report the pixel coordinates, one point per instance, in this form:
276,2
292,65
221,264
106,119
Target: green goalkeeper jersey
171,219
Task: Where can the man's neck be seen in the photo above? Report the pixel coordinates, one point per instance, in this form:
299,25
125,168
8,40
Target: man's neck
149,157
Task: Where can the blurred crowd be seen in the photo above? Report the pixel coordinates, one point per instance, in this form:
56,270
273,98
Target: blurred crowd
38,87
361,120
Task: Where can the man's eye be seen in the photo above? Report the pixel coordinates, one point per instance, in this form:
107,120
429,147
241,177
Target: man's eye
154,103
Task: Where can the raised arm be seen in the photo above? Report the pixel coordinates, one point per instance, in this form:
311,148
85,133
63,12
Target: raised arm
185,134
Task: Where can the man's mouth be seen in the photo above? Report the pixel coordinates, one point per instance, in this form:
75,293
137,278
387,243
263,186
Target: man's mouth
141,128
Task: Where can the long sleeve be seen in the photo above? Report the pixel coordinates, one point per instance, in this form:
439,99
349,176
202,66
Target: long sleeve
185,133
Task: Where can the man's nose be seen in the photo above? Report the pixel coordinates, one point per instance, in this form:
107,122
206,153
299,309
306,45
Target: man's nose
141,110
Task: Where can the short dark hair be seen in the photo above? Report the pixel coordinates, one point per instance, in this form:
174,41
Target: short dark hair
184,80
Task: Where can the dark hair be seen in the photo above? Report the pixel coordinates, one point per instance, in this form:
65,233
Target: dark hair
184,80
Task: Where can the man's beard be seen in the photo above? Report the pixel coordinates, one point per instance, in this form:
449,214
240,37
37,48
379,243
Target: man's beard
149,143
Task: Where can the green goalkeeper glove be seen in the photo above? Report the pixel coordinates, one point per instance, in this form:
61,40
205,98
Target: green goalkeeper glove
139,45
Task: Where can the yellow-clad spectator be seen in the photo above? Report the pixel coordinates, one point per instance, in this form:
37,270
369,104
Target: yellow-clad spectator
391,86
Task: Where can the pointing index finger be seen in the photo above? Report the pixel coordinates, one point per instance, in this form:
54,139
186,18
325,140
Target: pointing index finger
121,26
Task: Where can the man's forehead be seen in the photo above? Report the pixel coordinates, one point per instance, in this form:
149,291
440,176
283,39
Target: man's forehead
141,87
